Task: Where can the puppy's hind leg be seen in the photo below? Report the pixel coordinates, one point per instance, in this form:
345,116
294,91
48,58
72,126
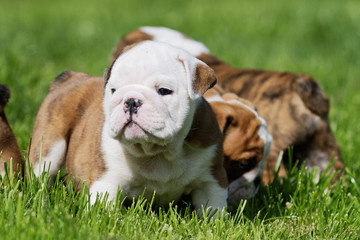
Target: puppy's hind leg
48,145
52,161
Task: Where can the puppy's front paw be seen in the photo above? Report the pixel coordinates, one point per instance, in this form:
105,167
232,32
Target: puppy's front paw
210,198
240,189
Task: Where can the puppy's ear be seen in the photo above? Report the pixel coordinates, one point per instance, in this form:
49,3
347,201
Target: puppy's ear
4,95
204,78
225,115
312,95
108,72
200,77
226,123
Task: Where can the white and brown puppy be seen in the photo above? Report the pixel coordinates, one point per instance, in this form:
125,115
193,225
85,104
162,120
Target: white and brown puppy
246,142
246,139
293,105
9,148
148,129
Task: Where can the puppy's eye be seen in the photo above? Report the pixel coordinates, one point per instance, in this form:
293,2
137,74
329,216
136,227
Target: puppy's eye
242,165
248,164
113,90
164,91
228,122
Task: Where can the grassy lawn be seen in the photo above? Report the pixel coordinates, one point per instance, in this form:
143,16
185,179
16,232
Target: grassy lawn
40,39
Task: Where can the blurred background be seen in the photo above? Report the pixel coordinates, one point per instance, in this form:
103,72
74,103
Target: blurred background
39,39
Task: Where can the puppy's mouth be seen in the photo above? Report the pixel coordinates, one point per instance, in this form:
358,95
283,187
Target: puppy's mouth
130,123
133,130
144,124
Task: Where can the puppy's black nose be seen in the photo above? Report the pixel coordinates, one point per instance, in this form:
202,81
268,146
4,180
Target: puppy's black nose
131,105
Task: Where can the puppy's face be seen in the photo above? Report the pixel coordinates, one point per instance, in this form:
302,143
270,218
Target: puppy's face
246,140
151,91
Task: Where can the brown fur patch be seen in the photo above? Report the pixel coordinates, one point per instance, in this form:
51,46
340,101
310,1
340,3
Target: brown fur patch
205,78
293,105
4,96
64,115
200,137
76,112
8,145
284,100
243,148
108,73
63,76
312,95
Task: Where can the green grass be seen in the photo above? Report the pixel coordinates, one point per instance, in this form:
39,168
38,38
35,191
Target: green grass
40,39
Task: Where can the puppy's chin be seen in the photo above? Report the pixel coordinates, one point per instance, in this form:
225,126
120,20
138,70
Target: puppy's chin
133,132
139,142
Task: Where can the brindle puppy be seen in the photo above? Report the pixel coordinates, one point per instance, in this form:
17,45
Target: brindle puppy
294,105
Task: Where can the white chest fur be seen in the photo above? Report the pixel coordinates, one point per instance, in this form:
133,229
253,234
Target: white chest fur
184,173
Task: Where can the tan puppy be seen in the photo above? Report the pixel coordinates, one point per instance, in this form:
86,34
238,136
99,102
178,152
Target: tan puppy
8,145
246,142
295,109
147,130
293,105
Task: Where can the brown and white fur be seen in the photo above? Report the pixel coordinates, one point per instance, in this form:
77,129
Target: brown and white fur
293,105
8,145
147,129
246,142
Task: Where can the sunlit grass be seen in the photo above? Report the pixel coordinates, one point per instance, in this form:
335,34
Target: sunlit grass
292,207
40,39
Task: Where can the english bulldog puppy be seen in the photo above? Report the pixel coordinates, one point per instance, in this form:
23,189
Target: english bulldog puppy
9,148
293,105
145,128
246,142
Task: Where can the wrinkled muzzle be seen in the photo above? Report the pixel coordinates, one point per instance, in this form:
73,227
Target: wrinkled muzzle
138,114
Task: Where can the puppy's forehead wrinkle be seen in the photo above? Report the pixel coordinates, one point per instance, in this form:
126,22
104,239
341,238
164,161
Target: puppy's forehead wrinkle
149,50
182,62
154,66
